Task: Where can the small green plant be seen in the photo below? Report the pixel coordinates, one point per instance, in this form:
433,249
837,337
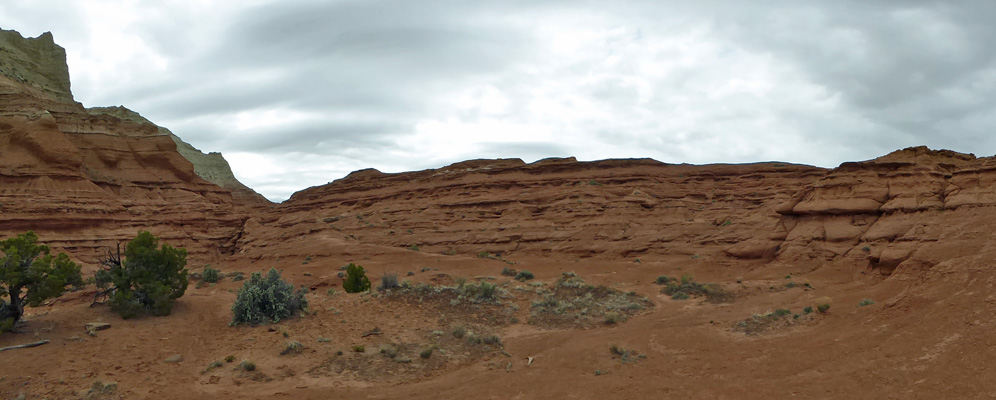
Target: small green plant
359,349
524,276
663,280
781,312
426,353
807,310
459,332
790,285
866,249
508,271
247,365
286,335
413,247
323,339
356,280
866,302
210,275
484,254
229,358
823,308
269,299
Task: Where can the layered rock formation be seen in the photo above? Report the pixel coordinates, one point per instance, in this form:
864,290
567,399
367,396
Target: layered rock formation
85,179
558,207
906,208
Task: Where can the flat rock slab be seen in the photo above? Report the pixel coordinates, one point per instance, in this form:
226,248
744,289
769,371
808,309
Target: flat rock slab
96,326
173,359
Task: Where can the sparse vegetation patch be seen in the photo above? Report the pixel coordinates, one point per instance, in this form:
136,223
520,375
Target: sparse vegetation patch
572,302
688,288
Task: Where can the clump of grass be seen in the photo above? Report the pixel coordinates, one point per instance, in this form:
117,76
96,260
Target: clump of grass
524,276
389,351
484,254
389,280
413,247
613,317
625,355
807,310
247,365
759,323
790,285
359,349
823,304
99,388
229,358
866,302
293,347
323,339
663,280
212,365
491,339
426,353
459,332
508,271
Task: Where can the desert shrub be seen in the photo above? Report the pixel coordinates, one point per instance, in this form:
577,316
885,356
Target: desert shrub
426,353
866,302
807,310
389,280
210,275
149,278
268,299
459,332
294,347
356,280
247,365
359,349
823,308
524,276
229,359
478,293
483,254
662,280
30,275
508,271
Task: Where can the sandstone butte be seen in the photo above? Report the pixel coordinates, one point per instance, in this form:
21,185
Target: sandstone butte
912,231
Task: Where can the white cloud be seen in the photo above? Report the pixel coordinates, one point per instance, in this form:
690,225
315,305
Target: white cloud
299,93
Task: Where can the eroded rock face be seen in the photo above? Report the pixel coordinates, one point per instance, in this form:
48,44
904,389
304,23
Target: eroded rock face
891,210
211,167
86,180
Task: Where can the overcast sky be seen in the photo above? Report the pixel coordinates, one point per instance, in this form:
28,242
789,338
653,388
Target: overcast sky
299,93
